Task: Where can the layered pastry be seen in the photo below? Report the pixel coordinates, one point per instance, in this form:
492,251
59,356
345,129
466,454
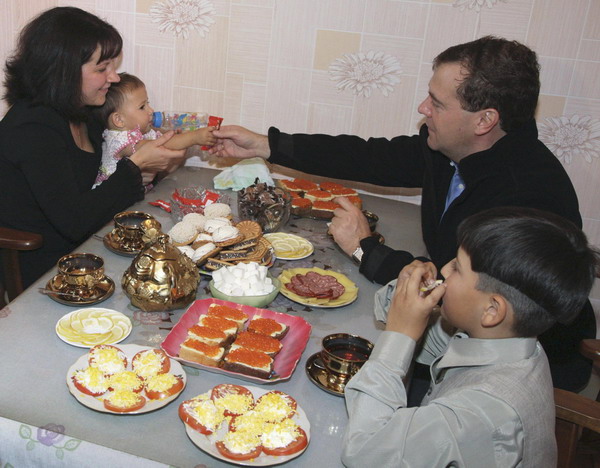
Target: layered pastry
269,327
215,264
201,239
249,362
227,235
204,252
202,353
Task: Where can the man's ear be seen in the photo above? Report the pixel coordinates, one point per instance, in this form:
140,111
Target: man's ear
487,120
116,119
495,312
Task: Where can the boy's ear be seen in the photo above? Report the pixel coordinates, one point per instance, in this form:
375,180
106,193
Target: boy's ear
495,312
116,120
487,121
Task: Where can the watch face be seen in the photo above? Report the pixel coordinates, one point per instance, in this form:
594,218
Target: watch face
357,255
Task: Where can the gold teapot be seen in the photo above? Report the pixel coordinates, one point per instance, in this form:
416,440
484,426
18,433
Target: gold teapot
161,278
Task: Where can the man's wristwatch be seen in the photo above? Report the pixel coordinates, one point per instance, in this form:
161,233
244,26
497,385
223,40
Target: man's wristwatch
357,255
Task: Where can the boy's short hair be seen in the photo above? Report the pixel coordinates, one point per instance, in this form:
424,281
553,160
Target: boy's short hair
538,261
115,97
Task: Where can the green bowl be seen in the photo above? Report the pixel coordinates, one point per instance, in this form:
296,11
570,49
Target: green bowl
254,301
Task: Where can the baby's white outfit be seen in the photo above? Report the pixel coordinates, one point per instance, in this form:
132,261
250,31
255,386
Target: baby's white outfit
113,143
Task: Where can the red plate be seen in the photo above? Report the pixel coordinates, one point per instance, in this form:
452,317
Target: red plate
293,343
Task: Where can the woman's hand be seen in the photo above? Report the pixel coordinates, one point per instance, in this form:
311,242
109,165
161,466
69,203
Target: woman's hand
239,142
410,309
153,156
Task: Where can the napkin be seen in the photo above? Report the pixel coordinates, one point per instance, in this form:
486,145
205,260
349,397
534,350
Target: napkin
243,174
383,299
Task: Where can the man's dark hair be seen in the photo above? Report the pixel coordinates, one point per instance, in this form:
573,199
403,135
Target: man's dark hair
115,97
540,262
499,74
46,65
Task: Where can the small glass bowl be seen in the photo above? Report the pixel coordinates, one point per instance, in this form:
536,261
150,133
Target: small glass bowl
270,217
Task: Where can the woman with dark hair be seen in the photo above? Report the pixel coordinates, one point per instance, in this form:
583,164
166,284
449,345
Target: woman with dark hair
50,147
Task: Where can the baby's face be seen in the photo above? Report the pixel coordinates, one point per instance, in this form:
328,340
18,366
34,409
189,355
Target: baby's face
136,110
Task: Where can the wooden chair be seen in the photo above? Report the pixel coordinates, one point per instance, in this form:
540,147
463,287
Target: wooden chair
577,415
11,242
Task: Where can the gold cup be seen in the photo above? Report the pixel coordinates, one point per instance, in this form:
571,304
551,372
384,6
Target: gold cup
81,272
128,230
342,356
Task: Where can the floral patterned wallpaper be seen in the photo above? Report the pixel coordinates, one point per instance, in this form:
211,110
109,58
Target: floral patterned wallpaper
350,66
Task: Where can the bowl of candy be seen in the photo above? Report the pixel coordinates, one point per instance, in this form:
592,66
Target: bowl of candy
267,205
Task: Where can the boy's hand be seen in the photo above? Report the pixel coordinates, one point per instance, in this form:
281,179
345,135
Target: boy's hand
410,309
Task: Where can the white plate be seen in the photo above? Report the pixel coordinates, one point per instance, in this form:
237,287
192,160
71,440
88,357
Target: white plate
99,328
282,240
97,403
207,443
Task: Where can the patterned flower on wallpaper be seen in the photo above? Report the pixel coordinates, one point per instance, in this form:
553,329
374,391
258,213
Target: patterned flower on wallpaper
571,137
361,73
179,17
475,4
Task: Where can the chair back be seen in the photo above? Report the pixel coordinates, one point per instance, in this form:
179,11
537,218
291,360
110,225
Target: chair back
11,242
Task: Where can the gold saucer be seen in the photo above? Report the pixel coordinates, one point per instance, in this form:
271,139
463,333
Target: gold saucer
318,375
111,244
103,290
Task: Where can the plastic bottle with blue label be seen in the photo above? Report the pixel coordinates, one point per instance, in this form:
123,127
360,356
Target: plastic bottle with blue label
172,120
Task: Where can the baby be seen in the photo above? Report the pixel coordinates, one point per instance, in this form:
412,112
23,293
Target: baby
127,116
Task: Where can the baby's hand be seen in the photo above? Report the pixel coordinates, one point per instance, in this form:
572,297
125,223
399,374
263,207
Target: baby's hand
410,309
206,136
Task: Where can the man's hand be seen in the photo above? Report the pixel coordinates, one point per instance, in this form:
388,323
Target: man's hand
349,226
410,309
239,142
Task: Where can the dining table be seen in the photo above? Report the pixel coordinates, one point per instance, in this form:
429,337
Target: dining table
42,424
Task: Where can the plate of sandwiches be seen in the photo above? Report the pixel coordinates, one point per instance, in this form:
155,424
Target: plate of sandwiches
246,425
316,287
125,379
252,344
317,201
